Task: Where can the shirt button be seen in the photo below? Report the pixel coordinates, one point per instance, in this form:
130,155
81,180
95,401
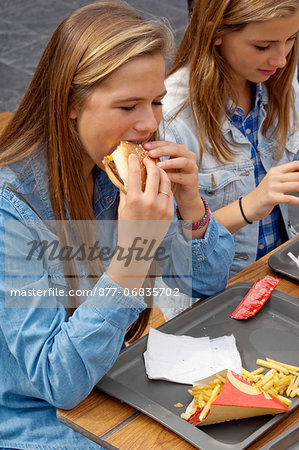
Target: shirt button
248,131
261,246
108,199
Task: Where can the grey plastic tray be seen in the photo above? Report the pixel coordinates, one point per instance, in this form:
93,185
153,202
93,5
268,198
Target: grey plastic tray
282,263
288,440
273,332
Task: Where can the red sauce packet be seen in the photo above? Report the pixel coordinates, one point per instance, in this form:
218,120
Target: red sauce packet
255,298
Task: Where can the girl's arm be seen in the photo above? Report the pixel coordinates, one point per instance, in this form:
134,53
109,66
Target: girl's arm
209,250
274,189
143,221
58,359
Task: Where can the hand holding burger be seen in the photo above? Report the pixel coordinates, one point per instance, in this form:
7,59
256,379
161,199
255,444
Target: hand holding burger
145,208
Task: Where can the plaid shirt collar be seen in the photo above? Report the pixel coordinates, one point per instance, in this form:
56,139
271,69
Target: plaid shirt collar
249,126
238,111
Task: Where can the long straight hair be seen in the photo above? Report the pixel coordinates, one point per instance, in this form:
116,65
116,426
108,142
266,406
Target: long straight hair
210,82
85,49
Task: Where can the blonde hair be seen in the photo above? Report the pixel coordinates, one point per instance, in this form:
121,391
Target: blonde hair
86,48
210,83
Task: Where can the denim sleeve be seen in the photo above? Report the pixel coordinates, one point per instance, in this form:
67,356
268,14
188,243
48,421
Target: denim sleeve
199,267
60,358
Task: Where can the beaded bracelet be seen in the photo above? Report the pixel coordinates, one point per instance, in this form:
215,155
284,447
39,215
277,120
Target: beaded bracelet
195,225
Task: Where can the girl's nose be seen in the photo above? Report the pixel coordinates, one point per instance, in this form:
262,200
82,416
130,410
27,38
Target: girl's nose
147,123
278,59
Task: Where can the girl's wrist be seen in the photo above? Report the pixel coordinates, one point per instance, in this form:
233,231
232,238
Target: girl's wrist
249,222
128,276
248,208
195,222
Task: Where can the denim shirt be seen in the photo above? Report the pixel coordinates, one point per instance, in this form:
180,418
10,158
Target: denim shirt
49,360
222,184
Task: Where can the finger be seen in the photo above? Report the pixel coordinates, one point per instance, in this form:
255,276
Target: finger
288,177
181,163
122,199
165,186
153,177
159,149
155,144
182,178
292,200
288,167
285,198
134,176
287,187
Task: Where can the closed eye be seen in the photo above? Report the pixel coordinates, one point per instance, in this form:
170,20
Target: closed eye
262,48
128,108
258,47
131,108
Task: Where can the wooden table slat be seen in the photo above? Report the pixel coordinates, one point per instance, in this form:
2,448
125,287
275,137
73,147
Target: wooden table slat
98,413
145,433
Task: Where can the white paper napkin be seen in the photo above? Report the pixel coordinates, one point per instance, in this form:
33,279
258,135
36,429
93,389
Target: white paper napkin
184,359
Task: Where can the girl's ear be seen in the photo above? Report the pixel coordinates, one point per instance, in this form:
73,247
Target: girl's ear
73,113
218,41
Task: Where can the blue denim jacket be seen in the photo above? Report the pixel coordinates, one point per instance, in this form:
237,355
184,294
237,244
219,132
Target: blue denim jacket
222,184
49,360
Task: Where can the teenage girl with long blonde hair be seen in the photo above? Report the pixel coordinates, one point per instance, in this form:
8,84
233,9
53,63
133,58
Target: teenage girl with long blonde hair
230,100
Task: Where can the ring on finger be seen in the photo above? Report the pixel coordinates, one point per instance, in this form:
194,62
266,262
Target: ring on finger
163,192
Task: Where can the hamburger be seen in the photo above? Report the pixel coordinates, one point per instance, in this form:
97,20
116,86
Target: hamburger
116,164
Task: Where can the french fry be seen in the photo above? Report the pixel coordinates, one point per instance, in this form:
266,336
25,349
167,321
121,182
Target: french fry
295,388
207,407
261,362
200,387
249,375
220,377
281,379
296,383
290,387
204,395
268,385
258,371
269,375
286,366
296,392
285,400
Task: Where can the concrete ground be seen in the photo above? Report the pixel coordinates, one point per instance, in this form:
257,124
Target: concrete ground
27,25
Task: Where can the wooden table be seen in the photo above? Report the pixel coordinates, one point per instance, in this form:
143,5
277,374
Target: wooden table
113,424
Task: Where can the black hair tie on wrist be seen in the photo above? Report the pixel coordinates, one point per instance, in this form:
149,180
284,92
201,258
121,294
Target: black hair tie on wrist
242,212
